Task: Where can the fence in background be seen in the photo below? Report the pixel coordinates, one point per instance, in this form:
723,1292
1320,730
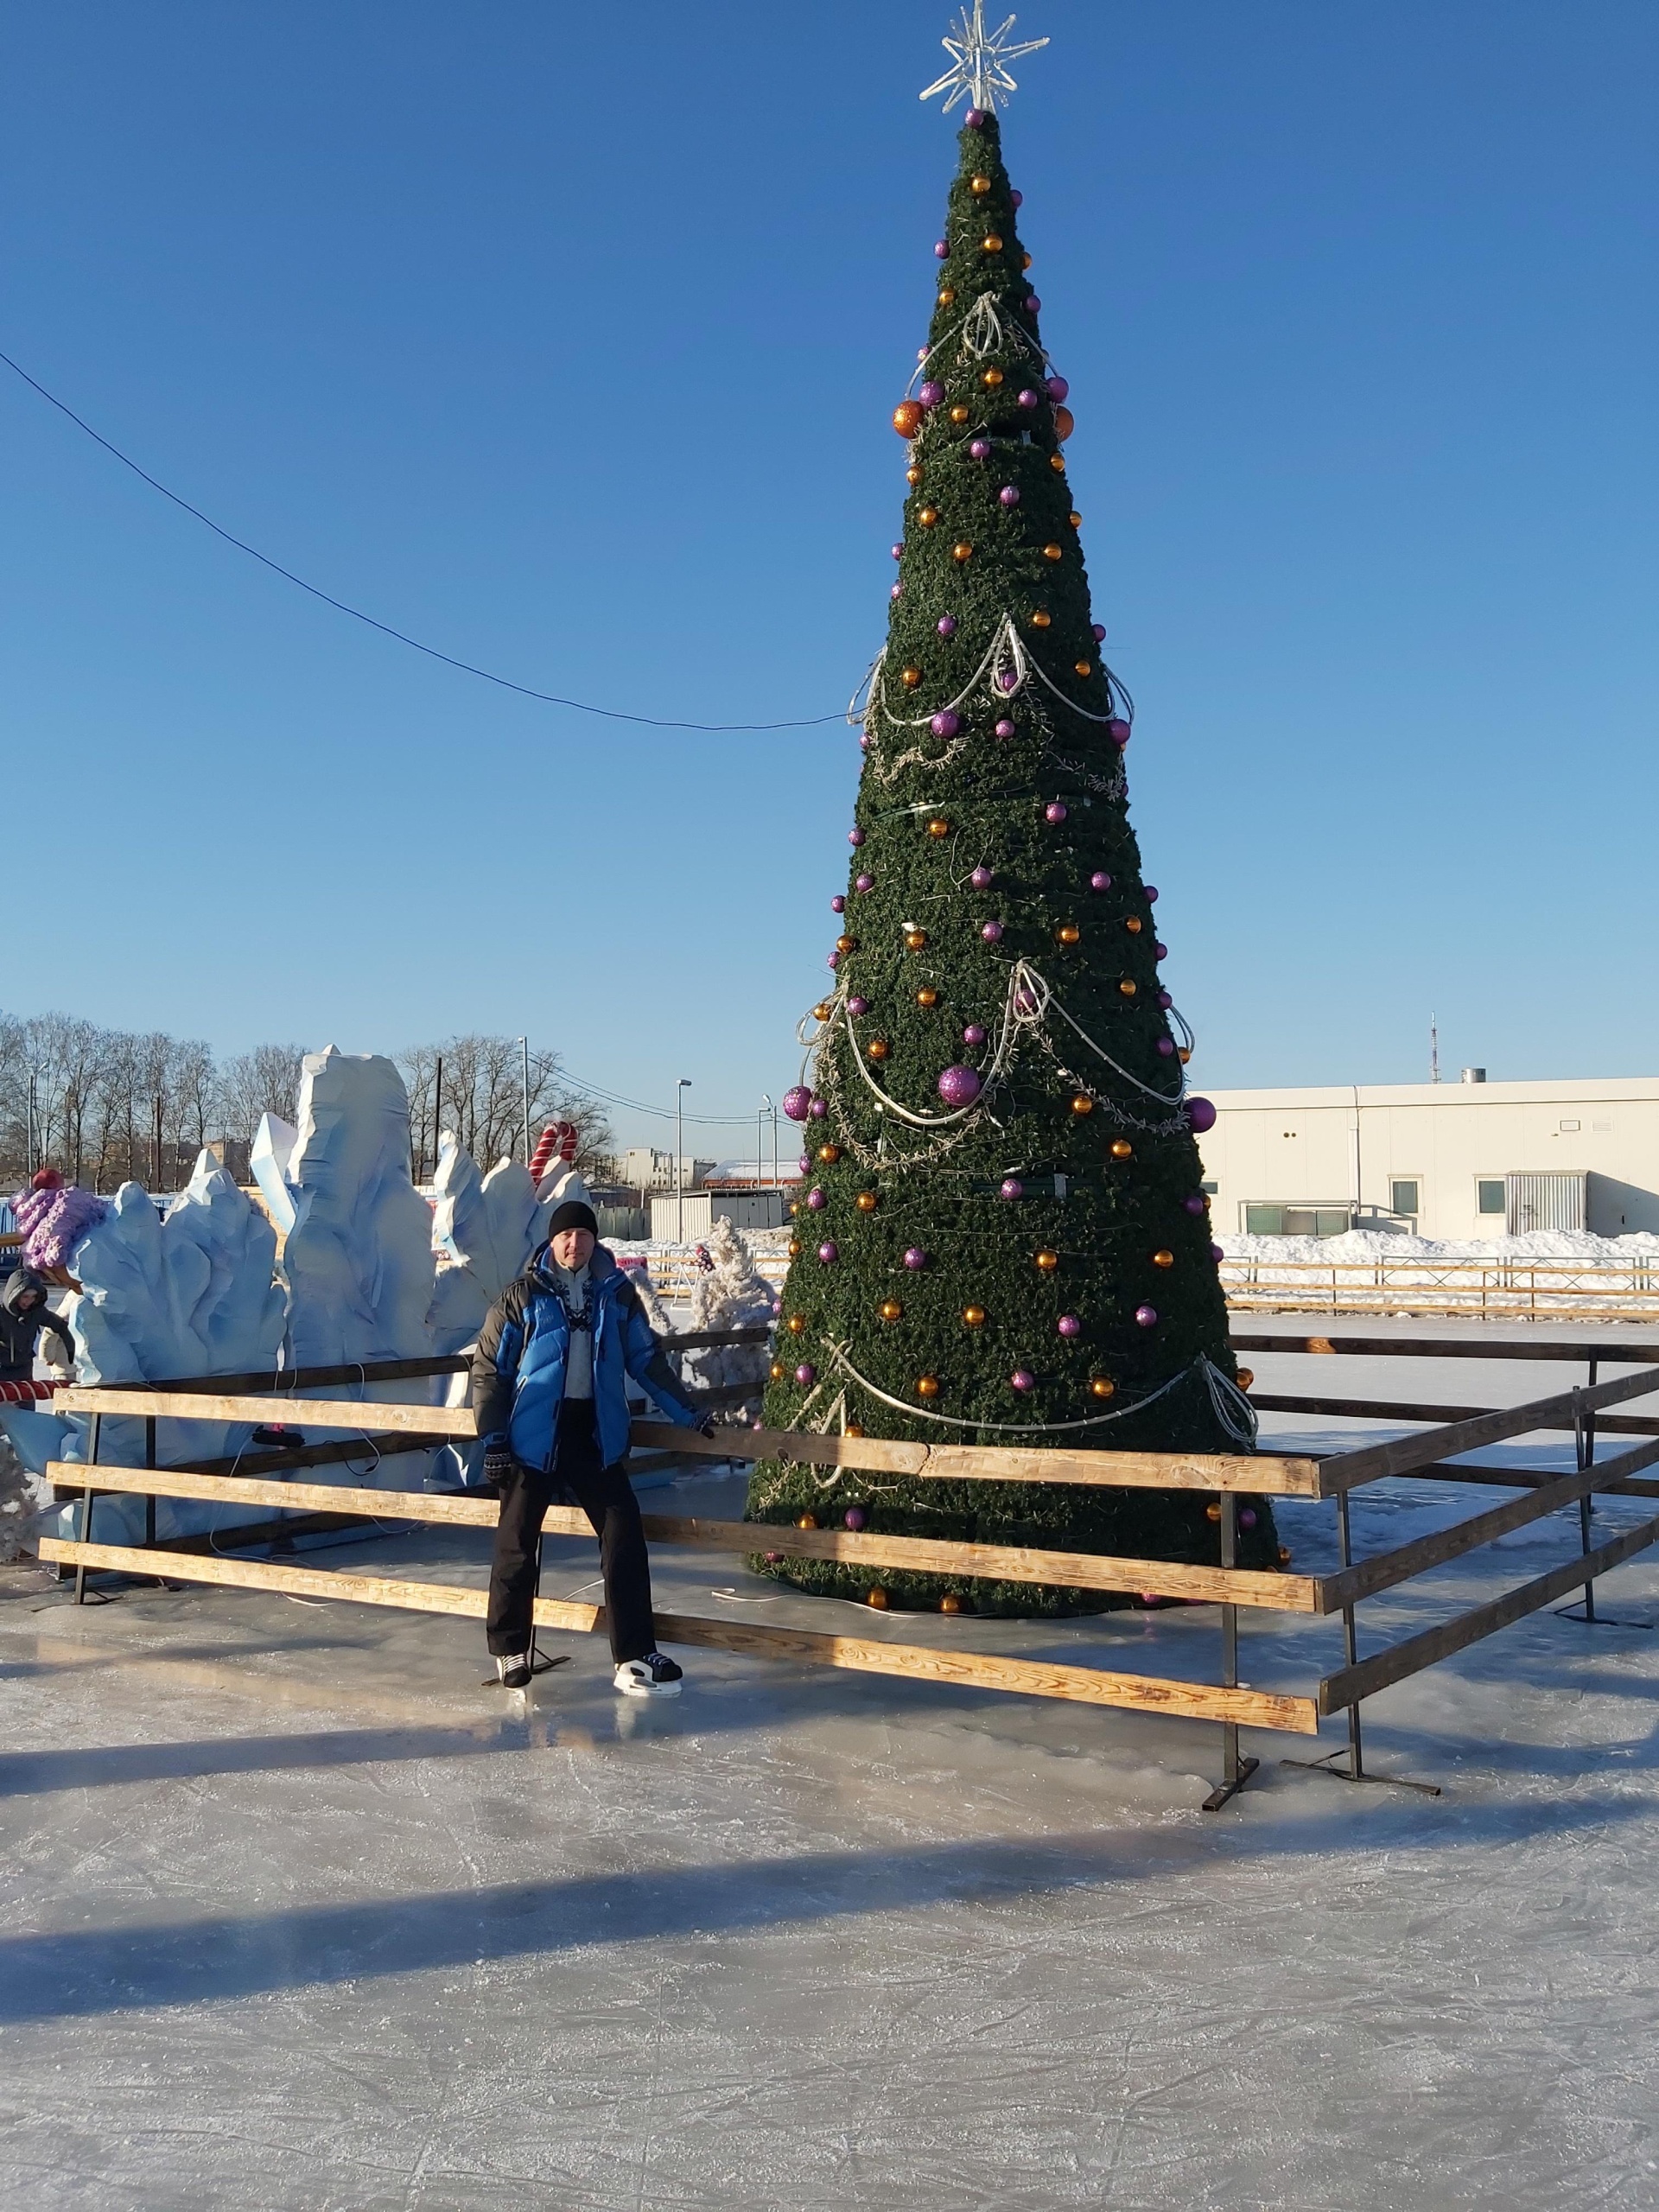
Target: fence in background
1525,1290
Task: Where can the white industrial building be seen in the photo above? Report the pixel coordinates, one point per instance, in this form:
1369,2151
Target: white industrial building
1452,1159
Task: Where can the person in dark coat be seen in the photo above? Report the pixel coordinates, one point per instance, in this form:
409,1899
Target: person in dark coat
550,1397
23,1314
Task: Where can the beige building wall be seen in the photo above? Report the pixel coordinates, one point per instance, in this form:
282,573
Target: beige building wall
1347,1147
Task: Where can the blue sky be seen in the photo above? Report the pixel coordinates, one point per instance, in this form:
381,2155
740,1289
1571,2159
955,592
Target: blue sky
567,340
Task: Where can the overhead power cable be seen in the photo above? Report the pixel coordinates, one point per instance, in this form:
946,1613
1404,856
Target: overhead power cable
402,637
666,1113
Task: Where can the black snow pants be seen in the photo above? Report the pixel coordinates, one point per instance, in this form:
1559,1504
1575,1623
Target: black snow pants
606,1496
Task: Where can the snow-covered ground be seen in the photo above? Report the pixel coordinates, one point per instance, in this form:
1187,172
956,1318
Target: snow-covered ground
1363,1244
298,1914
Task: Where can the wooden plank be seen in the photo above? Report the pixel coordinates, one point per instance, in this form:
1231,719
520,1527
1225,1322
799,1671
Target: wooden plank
246,1465
923,1555
363,1413
1346,1469
1495,1476
1392,1409
1385,1569
1256,1474
1552,1348
265,1379
968,1669
1337,1692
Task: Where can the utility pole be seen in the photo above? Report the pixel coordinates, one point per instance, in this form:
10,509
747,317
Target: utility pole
680,1090
1433,1050
524,1041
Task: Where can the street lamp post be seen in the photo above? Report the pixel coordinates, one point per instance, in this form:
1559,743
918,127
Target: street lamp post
524,1041
680,1090
759,1126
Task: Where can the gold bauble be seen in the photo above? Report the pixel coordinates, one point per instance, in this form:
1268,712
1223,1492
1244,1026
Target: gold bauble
1082,1104
913,474
1042,618
1163,1259
962,550
928,516
952,1603
866,1201
795,1323
1053,552
1212,1513
1127,987
890,1309
927,1386
958,413
1284,1554
821,1012
794,1247
979,184
878,1048
1075,519
1102,1386
974,1316
1245,1376
829,1154
915,939
991,243
1132,923
878,1597
794,1208
938,827
1083,667
1024,261
1047,1261
1183,1055
927,995
1057,461
854,1428
778,1370
991,378
1065,422
910,677
847,945
908,417
1068,933
807,1520
1121,1148
947,296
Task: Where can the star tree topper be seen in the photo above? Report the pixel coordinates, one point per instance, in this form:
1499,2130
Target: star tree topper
979,63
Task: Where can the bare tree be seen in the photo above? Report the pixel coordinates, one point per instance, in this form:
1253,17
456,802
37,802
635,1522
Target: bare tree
482,1100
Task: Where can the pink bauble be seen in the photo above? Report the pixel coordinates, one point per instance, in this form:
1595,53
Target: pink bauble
974,118
945,724
915,1259
817,1200
1167,1046
929,393
1023,1379
772,1559
958,1086
981,879
980,448
802,1163
832,960
1005,727
946,626
897,552
991,931
838,905
1057,388
857,1005
1027,398
973,1034
1007,681
1069,1326
897,592
829,1252
942,250
855,1517
806,1373
863,883
1200,1116
1118,730
1056,811
797,1102
1009,495
1146,1316
1100,880
1012,1187
854,836
818,1108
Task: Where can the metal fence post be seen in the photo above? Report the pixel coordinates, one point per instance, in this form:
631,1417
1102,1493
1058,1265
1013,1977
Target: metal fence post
1234,1771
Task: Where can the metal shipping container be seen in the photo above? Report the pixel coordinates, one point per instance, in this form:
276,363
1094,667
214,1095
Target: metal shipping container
1551,1199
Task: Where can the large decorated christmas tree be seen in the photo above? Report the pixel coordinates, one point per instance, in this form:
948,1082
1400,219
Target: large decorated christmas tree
1002,1237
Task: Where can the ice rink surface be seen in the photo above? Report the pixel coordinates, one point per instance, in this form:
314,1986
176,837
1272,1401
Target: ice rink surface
298,1914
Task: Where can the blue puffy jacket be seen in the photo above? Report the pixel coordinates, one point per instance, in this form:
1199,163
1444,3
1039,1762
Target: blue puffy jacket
518,1367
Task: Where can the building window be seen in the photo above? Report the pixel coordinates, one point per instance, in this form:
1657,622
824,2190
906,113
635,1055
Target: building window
1210,1189
1404,1195
1296,1220
1489,1194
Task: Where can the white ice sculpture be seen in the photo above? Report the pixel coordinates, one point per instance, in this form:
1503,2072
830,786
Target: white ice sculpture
484,1230
273,1148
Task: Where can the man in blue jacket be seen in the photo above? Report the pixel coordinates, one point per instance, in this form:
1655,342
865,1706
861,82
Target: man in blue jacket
548,1394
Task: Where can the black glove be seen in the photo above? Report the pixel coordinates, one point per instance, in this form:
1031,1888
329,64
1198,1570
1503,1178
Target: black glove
705,1424
498,1466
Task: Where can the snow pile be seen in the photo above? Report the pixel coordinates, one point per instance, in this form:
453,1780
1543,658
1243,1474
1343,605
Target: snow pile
1367,1244
17,1502
728,1293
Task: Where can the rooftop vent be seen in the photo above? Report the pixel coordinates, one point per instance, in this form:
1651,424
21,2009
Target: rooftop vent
1474,1074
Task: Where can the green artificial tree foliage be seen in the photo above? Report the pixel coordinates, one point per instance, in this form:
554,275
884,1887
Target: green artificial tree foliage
1002,1238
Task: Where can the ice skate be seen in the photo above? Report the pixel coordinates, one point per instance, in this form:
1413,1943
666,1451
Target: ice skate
513,1667
651,1676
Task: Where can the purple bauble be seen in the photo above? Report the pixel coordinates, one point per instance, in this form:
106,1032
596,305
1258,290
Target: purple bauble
1097,630
817,1200
973,1034
897,552
834,959
981,879
1146,1316
863,883
1247,1517
1056,811
818,1108
915,1259
1057,389
829,1252
1069,1326
991,931
806,1373
942,250
958,1086
1159,950
945,724
1215,1253
857,1006
1009,495
1165,1046
854,836
1151,895
1195,1203
797,1100
837,905
974,118
980,448
897,592
804,1163
1034,305
1118,730
864,742
1025,1001
1023,1379
1200,1116
1028,398
1005,727
1018,199
1100,880
1007,681
1012,1187
772,1559
922,352
946,626
855,1518
931,394
1165,1000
